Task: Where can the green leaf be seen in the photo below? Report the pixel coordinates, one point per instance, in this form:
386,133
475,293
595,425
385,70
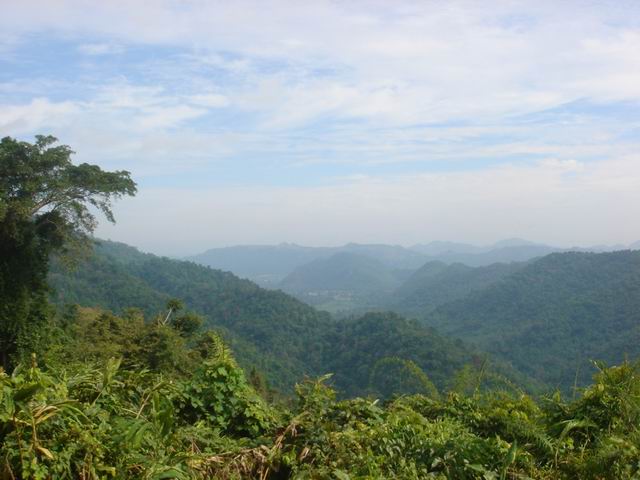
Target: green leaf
25,393
340,475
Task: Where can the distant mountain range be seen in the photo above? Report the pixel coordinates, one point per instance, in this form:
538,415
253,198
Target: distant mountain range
439,247
358,278
268,265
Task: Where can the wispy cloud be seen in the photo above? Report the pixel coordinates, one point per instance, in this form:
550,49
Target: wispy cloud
38,114
97,49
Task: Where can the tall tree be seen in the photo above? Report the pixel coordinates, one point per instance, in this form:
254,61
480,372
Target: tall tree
45,204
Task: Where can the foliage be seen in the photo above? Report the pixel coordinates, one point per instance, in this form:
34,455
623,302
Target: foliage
122,423
396,376
105,407
93,336
491,435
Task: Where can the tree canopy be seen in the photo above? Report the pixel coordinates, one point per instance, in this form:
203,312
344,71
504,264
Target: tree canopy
46,205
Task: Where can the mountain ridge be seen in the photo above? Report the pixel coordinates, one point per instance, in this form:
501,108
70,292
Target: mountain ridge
268,265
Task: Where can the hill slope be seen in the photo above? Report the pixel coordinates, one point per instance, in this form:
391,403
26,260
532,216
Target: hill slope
437,283
341,272
555,314
270,263
268,329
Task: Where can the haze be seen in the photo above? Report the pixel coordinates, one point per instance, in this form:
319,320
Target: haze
322,123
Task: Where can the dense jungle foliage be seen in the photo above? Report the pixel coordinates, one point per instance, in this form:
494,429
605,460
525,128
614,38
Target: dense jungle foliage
119,397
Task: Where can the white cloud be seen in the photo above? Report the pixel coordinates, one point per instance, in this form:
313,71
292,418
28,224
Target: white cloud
167,117
122,95
37,115
209,100
97,49
444,60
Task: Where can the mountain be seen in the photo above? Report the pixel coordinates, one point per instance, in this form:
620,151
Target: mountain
635,245
359,346
360,277
437,247
268,265
514,242
394,256
343,282
438,283
517,253
341,272
281,336
555,314
504,251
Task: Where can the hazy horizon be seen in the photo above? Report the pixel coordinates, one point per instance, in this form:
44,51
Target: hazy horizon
323,123
189,252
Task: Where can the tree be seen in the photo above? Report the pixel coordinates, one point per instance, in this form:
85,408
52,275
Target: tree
46,206
393,375
173,305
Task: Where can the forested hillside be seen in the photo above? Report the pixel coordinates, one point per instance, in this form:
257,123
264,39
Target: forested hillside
437,283
271,331
556,314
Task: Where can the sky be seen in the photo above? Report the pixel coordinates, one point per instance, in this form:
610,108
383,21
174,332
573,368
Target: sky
326,122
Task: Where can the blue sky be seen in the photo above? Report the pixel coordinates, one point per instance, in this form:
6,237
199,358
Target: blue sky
325,122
